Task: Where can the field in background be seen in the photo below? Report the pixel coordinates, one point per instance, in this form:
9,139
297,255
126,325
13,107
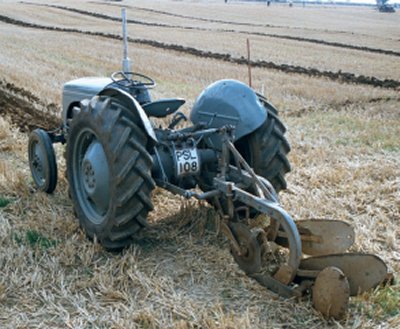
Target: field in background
344,131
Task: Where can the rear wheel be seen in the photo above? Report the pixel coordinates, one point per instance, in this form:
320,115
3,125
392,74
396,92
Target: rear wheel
109,172
266,150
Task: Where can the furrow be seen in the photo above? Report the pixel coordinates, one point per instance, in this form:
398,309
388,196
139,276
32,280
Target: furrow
269,35
343,77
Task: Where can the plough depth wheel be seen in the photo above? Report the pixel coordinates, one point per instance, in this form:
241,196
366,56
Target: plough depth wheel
248,257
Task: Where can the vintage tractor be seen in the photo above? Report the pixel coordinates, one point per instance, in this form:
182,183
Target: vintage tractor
233,155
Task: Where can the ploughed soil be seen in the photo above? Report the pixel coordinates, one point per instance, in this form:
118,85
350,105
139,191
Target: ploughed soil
343,77
25,110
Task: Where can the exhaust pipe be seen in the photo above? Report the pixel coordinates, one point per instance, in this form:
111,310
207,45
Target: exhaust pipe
126,62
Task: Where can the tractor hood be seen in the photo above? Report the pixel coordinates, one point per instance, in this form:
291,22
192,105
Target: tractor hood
76,90
229,102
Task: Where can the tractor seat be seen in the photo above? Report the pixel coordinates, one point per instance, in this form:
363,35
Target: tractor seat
163,107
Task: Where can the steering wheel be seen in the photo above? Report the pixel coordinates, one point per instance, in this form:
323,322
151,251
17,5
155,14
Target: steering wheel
129,79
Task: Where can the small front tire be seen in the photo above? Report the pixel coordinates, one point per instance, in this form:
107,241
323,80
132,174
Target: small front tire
42,161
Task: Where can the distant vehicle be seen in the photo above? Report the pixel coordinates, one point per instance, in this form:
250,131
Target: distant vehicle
384,7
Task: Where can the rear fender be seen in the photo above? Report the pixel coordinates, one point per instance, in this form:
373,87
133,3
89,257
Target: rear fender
229,102
132,104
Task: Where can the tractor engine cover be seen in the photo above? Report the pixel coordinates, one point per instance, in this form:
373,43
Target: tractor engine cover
229,102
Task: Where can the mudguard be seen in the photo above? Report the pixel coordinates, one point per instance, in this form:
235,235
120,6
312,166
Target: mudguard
134,106
229,102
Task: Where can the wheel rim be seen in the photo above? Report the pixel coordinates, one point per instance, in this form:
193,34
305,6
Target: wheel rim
91,176
250,260
38,166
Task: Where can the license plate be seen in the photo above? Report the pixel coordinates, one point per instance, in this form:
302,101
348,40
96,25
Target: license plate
187,162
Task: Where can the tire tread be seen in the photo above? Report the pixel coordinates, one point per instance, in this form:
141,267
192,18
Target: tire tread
124,141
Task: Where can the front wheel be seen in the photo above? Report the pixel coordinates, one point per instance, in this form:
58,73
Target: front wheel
42,161
109,172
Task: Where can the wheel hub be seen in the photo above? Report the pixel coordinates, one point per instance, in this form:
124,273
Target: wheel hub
37,163
95,177
89,177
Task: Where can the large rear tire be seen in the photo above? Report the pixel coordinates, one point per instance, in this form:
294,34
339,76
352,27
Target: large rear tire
266,150
109,172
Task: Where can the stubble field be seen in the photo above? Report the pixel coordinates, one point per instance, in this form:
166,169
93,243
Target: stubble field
334,75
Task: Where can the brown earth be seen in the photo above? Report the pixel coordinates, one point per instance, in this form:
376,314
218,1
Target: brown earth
25,110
